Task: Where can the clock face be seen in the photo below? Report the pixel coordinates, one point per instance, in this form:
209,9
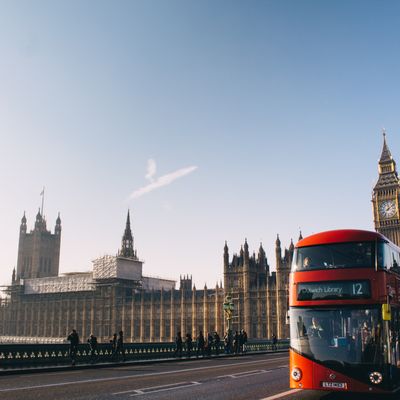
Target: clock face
387,208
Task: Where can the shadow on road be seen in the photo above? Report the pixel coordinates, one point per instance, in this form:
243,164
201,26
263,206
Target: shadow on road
357,396
320,395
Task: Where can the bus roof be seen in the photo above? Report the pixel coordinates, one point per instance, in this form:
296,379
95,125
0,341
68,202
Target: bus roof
340,236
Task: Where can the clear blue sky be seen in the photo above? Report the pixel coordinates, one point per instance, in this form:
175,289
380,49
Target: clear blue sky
265,116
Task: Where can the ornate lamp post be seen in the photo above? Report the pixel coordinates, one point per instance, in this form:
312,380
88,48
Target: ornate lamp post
228,310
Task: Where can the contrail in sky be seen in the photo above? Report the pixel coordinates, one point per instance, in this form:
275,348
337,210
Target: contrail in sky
162,180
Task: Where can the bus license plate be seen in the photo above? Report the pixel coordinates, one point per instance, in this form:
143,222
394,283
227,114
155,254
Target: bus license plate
334,385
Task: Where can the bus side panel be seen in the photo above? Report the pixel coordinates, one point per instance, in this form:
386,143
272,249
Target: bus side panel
314,374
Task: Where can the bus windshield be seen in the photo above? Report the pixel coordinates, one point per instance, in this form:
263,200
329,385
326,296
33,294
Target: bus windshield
338,337
334,255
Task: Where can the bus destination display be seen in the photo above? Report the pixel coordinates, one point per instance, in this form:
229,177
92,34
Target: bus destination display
333,290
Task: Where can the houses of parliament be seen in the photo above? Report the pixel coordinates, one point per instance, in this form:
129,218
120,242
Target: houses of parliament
116,295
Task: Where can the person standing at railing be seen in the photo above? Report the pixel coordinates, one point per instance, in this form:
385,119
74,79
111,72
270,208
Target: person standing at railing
113,342
93,347
274,342
236,342
189,344
217,342
244,338
120,346
228,341
200,344
209,344
241,341
178,344
73,338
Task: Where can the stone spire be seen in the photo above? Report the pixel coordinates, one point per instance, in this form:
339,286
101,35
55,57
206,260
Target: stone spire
385,155
127,241
387,168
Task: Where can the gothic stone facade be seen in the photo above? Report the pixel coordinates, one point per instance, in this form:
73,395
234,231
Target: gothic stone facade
116,295
260,297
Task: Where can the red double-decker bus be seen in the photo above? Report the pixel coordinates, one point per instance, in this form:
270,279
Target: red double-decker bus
345,313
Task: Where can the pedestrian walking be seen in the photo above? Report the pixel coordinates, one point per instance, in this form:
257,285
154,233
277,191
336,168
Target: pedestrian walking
178,344
73,338
241,341
236,342
244,340
274,342
200,344
189,344
93,348
113,342
217,342
228,341
120,346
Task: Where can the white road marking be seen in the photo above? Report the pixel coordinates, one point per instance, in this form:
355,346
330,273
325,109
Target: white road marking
163,388
153,387
250,373
245,374
280,395
124,377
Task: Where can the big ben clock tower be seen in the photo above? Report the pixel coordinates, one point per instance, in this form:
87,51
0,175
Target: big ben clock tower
386,197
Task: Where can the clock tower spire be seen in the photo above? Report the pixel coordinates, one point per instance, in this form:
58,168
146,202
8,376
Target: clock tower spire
386,196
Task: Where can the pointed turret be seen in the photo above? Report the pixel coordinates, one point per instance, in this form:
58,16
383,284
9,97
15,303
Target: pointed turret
300,236
261,258
241,257
40,223
226,256
246,252
261,252
291,252
22,228
278,252
57,229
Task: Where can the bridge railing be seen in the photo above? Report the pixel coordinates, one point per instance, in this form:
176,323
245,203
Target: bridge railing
42,355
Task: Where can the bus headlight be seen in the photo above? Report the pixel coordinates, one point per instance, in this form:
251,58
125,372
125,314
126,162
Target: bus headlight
296,374
375,377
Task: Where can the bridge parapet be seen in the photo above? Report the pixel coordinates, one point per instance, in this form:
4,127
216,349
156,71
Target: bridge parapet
57,354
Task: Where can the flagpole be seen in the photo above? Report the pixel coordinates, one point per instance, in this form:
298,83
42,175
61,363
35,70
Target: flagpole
42,200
